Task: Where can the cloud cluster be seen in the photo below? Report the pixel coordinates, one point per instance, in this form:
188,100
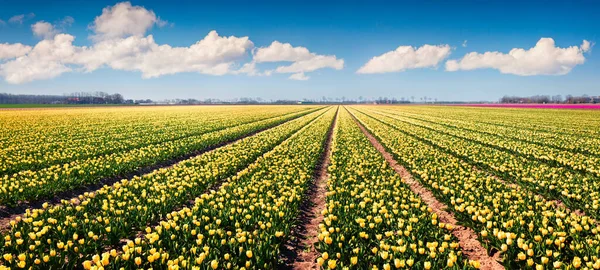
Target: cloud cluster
8,51
44,30
543,59
406,57
122,20
281,52
302,60
212,55
46,60
299,76
119,42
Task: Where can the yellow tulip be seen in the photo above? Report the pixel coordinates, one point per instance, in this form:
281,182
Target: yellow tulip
331,264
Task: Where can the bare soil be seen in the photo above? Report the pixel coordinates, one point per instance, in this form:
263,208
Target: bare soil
467,238
300,252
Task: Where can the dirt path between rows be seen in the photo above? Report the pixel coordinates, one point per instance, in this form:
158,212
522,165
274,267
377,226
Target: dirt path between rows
467,238
10,213
300,252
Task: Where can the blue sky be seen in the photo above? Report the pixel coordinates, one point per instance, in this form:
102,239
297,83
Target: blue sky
351,31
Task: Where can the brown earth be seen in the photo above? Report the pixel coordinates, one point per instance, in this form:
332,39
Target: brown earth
300,252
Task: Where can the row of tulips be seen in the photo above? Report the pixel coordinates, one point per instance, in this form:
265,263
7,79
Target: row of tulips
527,230
242,224
32,185
562,158
66,235
372,220
73,124
575,189
19,156
577,143
27,129
574,123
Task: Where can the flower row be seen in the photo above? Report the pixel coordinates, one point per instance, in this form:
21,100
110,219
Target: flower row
242,224
575,189
372,219
66,235
527,230
31,185
30,154
562,158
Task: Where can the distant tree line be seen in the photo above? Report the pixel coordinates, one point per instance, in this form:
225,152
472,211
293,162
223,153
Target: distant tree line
544,99
73,98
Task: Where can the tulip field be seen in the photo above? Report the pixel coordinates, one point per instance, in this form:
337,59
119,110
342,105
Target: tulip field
228,187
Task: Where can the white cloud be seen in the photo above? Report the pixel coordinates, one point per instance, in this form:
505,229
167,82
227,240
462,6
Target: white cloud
213,55
8,51
2,23
282,52
542,59
123,20
303,60
251,70
586,46
299,76
46,60
44,30
406,57
464,44
119,42
312,64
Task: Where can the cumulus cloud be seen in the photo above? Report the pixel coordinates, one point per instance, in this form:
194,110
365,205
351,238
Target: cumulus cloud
542,59
250,70
213,55
282,52
299,76
119,42
312,64
123,20
303,60
8,51
44,30
46,60
586,46
406,57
